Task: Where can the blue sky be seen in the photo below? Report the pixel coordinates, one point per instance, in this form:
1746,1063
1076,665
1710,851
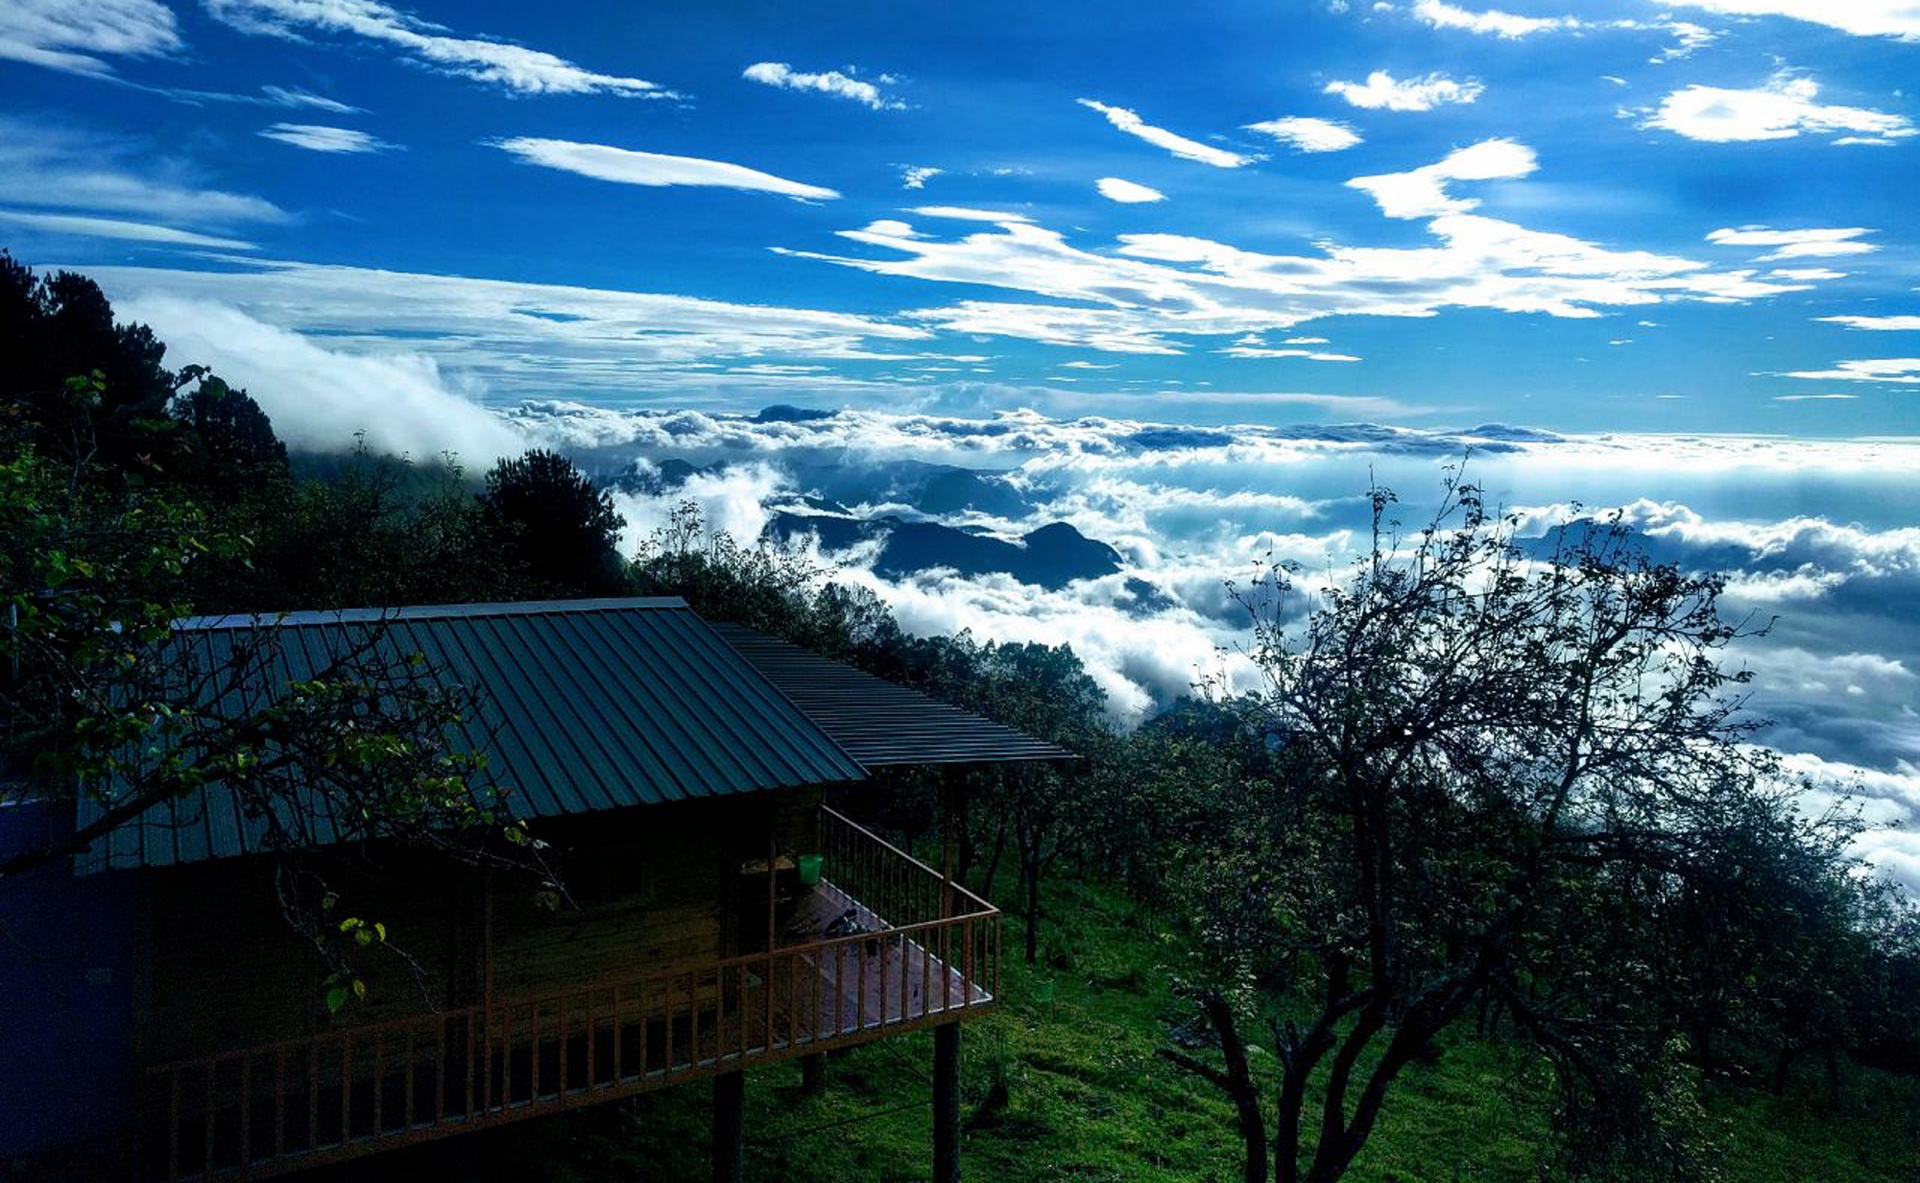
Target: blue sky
1587,217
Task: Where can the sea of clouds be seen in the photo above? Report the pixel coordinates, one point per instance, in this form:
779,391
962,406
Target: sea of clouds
1821,537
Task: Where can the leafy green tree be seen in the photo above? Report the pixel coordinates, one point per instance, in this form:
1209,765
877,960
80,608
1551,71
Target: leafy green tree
554,530
54,328
1495,780
233,453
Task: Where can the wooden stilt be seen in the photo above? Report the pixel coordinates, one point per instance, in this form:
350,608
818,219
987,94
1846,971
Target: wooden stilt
946,1103
729,1106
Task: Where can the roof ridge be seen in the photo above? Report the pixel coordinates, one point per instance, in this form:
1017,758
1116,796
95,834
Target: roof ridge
248,620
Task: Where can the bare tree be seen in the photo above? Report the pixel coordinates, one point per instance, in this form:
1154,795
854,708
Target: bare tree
1491,771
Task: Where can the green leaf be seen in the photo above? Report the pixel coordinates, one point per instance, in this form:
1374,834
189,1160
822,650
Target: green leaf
336,998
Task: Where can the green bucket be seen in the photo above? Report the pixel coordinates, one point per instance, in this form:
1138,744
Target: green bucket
809,867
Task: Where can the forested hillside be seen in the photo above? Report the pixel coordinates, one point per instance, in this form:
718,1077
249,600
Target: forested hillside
1486,880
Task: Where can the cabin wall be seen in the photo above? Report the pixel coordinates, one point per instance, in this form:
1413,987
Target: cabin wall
66,978
655,888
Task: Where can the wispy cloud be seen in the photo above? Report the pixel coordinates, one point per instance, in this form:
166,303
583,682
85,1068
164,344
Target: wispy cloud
294,96
1489,21
1812,243
500,63
916,176
1147,293
1863,18
1383,92
1781,109
90,227
960,213
1160,137
1902,371
1494,22
1883,324
1422,193
77,36
317,138
1261,351
45,165
512,340
1127,192
624,166
1304,134
831,82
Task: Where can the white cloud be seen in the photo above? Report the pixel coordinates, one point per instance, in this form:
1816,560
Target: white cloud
1126,192
1381,91
916,176
623,166
90,227
1882,324
318,397
1863,18
1814,398
1308,135
517,340
732,500
1492,21
832,82
1149,290
1256,351
1421,192
964,214
501,63
1160,137
1813,243
76,35
1781,109
317,138
1513,26
1903,371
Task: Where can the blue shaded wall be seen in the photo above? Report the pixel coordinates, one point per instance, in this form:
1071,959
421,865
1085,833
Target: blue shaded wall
66,993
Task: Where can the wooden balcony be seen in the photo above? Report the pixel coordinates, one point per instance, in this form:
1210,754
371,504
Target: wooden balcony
882,944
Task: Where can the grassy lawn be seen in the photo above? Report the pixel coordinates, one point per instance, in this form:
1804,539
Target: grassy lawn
1063,1082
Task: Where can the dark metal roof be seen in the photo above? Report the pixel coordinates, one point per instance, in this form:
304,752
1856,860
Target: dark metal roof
878,722
586,705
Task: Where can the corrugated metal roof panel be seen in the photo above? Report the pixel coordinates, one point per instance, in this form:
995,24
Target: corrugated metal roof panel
585,705
878,722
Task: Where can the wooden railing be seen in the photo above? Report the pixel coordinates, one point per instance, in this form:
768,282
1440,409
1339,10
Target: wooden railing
921,952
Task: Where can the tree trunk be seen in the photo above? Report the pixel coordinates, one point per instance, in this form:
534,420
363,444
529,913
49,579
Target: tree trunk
993,864
1236,1081
1031,871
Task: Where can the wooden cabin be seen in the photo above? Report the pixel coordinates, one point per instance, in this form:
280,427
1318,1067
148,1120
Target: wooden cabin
721,915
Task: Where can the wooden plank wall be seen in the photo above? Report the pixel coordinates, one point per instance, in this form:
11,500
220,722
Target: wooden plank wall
227,972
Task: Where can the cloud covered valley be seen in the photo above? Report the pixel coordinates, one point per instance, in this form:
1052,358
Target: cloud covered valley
1120,538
